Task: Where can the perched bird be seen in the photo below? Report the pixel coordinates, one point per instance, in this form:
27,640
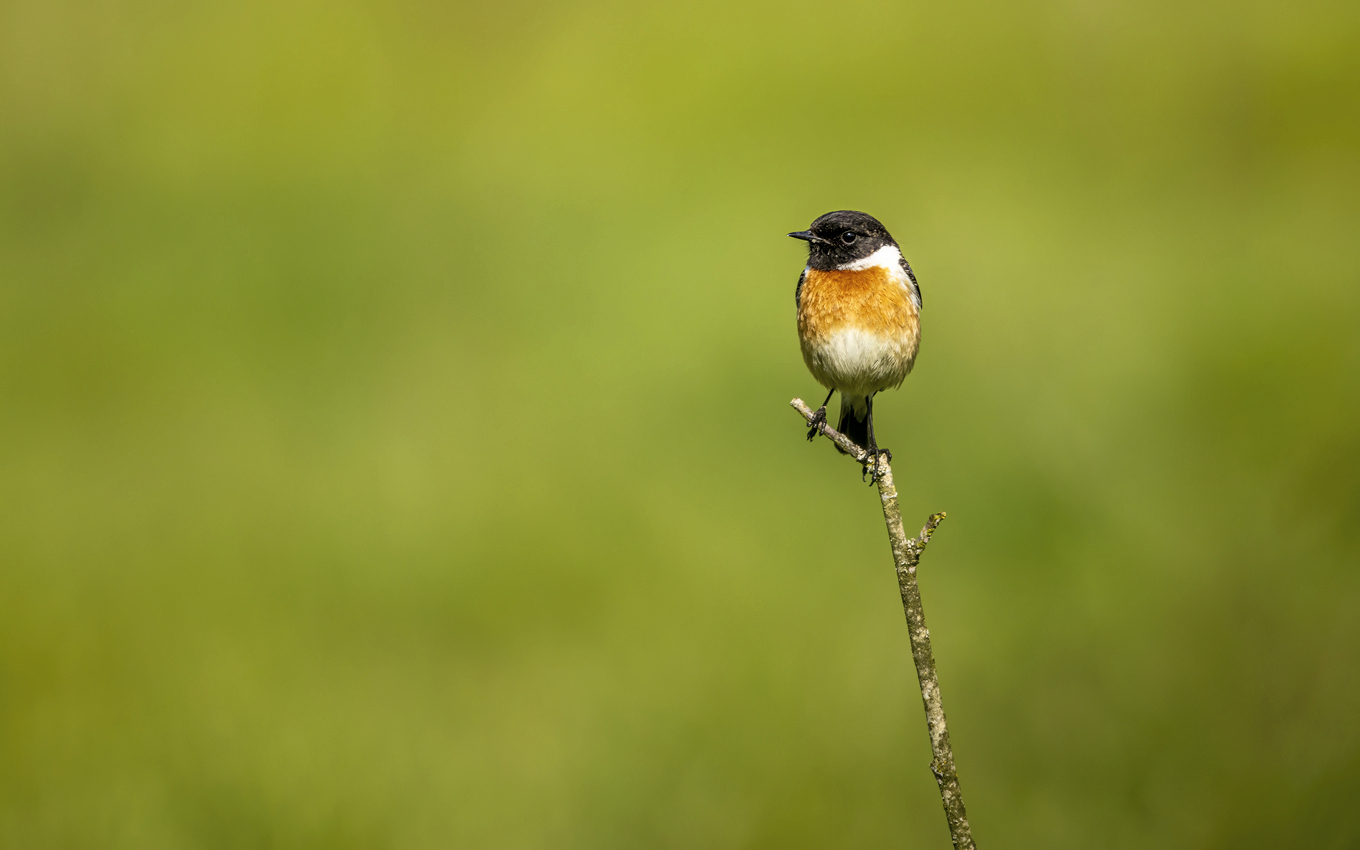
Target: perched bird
859,319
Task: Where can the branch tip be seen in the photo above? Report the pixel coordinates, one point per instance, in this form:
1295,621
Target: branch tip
845,443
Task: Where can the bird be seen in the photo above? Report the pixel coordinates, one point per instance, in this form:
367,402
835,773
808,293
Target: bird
859,320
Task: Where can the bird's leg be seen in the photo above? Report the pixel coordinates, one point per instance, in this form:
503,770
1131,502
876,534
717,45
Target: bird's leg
819,418
871,462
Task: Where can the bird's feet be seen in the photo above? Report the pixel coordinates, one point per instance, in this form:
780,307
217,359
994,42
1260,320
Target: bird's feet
817,421
871,463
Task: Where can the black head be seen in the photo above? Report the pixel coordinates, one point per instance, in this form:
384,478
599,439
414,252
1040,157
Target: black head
843,237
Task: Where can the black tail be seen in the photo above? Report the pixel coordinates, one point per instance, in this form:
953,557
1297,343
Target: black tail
851,425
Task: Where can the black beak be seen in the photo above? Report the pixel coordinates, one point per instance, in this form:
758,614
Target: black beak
807,236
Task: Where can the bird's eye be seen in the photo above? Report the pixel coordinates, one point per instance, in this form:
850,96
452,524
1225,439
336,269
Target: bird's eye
848,237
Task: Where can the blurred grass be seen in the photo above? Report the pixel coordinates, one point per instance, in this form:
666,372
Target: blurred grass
393,448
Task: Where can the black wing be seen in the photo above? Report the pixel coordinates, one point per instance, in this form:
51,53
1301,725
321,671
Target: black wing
915,287
798,293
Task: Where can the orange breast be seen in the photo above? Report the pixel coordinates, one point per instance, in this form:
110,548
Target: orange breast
870,300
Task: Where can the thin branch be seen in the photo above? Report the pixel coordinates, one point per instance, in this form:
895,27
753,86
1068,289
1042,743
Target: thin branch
906,555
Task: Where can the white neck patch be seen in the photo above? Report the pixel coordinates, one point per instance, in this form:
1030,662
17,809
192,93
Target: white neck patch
887,257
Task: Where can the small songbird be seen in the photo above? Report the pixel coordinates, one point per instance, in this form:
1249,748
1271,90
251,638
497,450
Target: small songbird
859,319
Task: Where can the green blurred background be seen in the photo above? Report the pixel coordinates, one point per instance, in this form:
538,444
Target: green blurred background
395,451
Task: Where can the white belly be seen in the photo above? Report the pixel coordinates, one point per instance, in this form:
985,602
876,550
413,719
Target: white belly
858,362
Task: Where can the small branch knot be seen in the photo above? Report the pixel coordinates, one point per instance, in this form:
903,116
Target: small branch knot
936,769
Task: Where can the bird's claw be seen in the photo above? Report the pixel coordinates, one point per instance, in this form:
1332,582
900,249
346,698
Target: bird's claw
871,464
817,421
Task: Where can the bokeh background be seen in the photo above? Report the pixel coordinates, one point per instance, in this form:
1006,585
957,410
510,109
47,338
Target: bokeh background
395,451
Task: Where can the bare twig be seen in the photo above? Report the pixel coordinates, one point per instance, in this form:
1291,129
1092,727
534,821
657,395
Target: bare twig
906,555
